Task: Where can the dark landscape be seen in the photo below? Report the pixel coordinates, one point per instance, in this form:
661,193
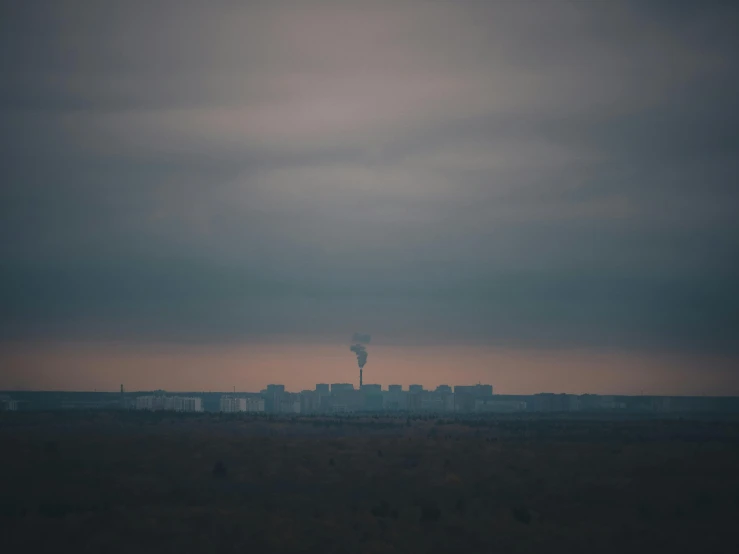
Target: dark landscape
163,482
353,277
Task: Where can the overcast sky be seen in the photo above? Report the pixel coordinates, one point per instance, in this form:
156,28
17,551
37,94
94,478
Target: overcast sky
528,175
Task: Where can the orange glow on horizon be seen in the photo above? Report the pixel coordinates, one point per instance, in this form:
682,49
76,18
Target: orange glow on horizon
250,367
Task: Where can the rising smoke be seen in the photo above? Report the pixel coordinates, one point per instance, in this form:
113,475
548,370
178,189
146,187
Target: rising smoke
359,349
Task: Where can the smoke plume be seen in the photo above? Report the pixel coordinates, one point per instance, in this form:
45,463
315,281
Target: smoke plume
359,349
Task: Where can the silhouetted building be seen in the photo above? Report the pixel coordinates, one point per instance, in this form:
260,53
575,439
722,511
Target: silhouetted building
431,402
610,403
273,398
289,403
499,406
7,404
372,397
309,402
374,402
323,398
597,402
394,398
660,403
590,402
169,403
347,400
415,388
475,390
230,404
254,404
549,402
341,387
466,395
413,400
443,399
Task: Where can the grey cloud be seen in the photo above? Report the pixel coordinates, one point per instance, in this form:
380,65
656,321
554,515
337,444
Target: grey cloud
467,171
174,300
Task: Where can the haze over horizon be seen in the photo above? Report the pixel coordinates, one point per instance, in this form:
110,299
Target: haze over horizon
538,196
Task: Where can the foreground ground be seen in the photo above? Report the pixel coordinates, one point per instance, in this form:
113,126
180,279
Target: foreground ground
130,482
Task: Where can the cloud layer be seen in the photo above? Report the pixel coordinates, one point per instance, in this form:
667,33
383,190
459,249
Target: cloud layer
560,175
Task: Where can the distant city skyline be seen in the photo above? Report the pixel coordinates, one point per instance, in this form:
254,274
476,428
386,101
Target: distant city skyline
251,367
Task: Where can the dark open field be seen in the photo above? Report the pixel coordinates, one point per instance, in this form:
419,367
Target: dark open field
135,482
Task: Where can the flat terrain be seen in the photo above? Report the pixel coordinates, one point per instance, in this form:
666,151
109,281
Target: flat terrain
135,482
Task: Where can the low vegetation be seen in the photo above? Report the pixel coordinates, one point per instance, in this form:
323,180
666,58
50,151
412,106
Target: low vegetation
131,482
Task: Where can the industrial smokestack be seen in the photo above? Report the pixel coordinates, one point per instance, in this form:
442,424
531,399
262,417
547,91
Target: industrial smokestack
361,351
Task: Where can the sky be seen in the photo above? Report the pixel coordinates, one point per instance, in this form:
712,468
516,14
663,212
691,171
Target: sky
538,195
